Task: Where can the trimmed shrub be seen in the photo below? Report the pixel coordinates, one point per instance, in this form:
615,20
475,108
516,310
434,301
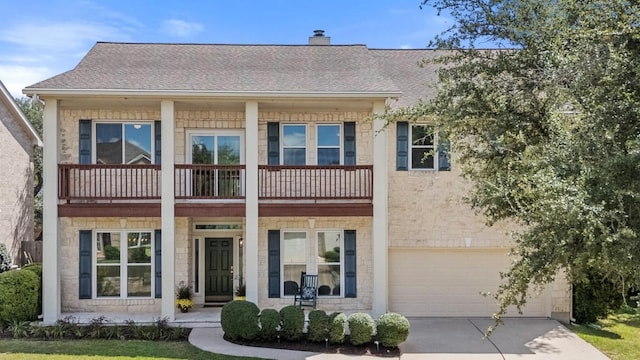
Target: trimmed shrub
269,323
361,328
337,325
318,329
292,322
37,269
18,296
5,259
392,329
239,320
594,298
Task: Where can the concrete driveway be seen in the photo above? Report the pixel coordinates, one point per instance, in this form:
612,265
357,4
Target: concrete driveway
444,338
517,338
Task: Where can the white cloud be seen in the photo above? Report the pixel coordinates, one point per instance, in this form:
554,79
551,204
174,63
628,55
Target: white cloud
181,28
406,46
16,77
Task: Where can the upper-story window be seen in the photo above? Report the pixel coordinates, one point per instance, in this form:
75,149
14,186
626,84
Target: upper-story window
423,147
329,144
294,144
123,143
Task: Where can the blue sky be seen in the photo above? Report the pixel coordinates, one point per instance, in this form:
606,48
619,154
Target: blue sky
42,38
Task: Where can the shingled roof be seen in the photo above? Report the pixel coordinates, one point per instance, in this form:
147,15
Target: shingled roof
289,69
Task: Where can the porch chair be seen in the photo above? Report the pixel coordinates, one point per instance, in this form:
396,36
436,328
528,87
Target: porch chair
307,295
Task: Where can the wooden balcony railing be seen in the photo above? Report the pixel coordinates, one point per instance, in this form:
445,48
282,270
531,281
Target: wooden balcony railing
214,182
196,181
315,182
108,182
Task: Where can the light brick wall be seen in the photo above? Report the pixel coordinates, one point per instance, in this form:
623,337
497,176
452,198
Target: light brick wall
364,253
16,184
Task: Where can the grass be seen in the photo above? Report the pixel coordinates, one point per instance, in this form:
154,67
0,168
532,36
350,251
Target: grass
14,349
618,337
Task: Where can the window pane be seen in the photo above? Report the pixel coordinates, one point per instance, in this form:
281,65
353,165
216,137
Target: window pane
330,156
329,247
139,251
291,278
108,280
294,135
294,156
294,248
328,135
228,150
108,248
422,158
202,149
329,280
137,147
139,280
422,135
108,143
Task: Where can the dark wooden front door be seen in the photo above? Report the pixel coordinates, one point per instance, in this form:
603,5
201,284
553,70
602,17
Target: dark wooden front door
218,269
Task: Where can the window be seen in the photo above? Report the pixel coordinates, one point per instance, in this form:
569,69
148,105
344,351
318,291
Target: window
123,143
294,144
422,146
325,259
329,145
123,255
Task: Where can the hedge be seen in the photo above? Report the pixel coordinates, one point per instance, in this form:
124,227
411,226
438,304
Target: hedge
18,296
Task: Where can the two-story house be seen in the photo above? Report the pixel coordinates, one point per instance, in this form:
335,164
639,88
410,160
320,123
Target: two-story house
17,140
218,165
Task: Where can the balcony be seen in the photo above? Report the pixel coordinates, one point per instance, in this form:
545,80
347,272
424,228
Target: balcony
214,190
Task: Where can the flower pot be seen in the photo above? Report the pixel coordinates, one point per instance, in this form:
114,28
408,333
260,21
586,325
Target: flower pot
184,309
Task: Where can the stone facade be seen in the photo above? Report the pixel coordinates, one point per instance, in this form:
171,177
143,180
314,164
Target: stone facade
16,184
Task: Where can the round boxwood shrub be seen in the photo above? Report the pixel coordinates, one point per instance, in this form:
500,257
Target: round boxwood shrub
37,269
239,320
18,296
337,325
392,329
269,323
292,320
318,329
361,328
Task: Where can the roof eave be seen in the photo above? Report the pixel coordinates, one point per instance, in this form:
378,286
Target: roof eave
51,92
25,124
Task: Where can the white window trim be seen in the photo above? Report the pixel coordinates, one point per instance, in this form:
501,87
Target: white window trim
123,264
305,147
94,136
434,147
215,133
341,231
340,146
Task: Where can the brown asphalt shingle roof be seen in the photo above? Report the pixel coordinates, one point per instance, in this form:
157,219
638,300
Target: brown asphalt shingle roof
248,68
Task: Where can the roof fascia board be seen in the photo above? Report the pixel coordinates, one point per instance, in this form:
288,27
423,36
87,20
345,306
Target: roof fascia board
25,124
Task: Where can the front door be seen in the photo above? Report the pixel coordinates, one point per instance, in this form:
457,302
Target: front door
218,269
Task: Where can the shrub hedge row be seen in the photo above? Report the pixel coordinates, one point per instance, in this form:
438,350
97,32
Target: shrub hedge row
242,320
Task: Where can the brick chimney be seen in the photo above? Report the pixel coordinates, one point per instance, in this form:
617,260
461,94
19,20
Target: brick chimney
318,38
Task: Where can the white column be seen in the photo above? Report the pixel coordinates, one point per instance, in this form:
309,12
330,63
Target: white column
380,208
50,245
168,210
251,200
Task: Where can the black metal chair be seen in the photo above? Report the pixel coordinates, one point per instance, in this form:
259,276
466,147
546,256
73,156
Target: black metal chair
308,292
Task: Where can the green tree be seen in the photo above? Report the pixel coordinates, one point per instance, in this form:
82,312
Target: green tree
547,128
33,112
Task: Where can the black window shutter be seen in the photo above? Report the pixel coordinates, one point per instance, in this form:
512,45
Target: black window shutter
86,265
402,145
444,151
350,288
274,263
84,136
273,143
350,143
158,262
157,141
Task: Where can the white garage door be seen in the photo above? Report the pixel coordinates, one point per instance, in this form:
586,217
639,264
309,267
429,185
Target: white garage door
449,282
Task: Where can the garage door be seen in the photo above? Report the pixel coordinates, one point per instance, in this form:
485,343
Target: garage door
449,283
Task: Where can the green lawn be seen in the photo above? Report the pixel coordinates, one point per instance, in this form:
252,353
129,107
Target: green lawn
102,349
618,338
